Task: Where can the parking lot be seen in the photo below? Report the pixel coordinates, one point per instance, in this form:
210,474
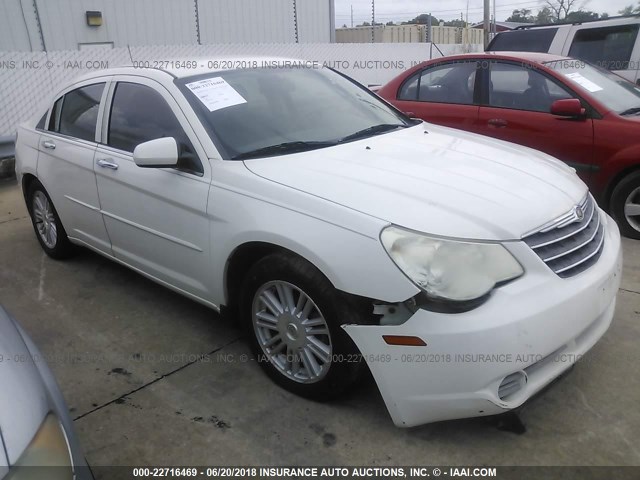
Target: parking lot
152,378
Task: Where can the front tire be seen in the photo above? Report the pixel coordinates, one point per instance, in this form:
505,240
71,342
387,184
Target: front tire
294,315
625,205
46,223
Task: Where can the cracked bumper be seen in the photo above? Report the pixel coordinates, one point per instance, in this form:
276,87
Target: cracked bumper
536,327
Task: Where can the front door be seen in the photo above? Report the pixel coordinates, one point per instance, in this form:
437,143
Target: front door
518,104
156,217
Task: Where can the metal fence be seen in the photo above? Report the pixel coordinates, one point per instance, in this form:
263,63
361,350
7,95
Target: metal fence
28,80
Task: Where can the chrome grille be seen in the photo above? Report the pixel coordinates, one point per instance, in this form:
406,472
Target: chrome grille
570,245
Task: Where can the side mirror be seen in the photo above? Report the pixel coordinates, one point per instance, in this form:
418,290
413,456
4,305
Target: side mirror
158,153
569,107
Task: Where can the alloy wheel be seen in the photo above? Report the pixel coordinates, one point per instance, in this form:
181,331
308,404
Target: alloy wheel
292,332
44,219
632,209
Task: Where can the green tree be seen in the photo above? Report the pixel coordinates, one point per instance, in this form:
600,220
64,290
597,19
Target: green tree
560,9
630,10
581,16
455,23
544,16
521,16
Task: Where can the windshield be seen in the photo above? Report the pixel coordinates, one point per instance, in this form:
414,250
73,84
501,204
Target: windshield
613,91
265,112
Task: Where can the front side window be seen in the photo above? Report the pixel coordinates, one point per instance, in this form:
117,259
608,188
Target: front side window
521,88
607,47
140,114
79,114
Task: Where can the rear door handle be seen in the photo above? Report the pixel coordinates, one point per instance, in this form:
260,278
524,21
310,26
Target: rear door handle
498,122
107,163
49,145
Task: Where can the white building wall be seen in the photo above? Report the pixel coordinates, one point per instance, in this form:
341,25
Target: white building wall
246,21
18,26
315,21
161,22
409,34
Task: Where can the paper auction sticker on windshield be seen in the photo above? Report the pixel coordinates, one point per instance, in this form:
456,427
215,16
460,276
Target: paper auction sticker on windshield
215,93
584,82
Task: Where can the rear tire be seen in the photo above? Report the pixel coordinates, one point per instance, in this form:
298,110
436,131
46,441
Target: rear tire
293,316
625,205
46,223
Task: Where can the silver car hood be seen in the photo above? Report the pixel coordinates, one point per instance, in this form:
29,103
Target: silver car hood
23,398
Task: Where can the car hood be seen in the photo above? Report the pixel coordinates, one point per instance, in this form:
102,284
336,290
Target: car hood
23,398
435,180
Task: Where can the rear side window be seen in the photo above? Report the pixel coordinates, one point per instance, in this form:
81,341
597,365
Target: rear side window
534,40
139,114
40,125
607,47
79,114
449,83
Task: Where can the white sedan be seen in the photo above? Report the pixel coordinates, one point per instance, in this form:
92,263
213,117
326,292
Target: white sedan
467,273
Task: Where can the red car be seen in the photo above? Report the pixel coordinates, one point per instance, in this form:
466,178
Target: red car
578,113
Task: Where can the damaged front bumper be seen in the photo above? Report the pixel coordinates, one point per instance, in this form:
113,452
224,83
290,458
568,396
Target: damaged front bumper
493,358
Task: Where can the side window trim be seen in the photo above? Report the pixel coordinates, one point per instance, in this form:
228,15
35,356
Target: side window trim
58,112
407,81
106,116
420,73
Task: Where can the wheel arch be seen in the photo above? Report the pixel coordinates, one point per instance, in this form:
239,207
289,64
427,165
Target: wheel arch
242,258
605,199
27,181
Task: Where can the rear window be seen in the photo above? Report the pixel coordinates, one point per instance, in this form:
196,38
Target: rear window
538,40
606,47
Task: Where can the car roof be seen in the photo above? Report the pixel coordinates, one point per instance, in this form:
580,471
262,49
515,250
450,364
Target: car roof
533,57
177,68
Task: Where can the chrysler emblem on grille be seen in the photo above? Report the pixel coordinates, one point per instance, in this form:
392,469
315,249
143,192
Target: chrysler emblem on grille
578,213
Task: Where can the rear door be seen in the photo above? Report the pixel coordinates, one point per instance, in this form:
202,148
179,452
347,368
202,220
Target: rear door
65,162
516,107
156,217
443,94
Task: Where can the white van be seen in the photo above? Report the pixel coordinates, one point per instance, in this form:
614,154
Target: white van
613,43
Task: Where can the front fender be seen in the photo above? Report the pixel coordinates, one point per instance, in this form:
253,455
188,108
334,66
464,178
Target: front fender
343,244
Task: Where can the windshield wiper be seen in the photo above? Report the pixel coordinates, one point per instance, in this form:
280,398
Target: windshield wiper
631,111
368,132
283,148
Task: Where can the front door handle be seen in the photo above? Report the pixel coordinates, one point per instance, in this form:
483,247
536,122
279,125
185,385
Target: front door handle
107,163
498,123
49,145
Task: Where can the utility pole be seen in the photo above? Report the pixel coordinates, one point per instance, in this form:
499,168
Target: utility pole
495,26
373,21
351,16
487,21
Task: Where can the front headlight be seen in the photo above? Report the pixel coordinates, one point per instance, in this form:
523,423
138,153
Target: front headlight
46,456
450,269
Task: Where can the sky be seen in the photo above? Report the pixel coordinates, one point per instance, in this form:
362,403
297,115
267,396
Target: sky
403,10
